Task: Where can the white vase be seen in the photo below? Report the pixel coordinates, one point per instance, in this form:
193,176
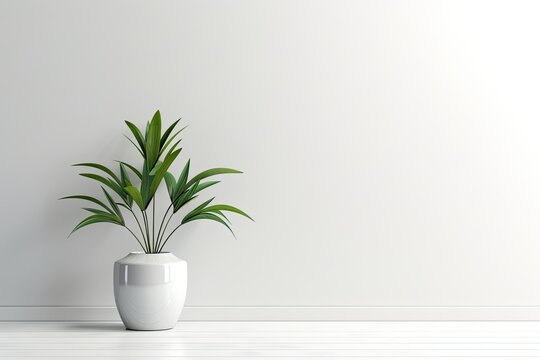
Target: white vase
150,290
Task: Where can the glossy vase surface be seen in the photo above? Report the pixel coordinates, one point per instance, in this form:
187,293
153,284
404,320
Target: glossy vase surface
150,290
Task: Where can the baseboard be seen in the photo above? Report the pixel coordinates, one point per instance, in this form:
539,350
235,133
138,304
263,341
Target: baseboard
284,313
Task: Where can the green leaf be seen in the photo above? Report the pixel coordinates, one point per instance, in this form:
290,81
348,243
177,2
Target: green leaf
153,140
189,199
211,172
124,177
209,216
174,146
146,130
160,173
96,211
145,184
205,185
136,196
197,210
124,205
167,133
138,136
184,197
88,198
171,183
113,204
222,214
108,182
156,168
102,168
182,180
126,181
170,140
136,147
132,168
223,207
97,218
183,201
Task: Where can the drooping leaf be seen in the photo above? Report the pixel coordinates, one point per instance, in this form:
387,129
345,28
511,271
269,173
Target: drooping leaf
95,211
124,206
222,215
88,198
113,204
108,182
205,185
135,195
102,168
209,216
197,210
138,136
153,139
97,218
224,207
211,172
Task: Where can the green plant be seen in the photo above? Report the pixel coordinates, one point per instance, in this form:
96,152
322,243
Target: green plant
159,151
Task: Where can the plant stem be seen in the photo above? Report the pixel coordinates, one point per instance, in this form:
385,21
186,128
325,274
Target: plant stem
159,234
135,236
154,224
162,221
165,228
140,228
145,218
172,232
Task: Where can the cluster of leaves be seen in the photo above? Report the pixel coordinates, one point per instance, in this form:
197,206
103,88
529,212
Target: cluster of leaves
159,151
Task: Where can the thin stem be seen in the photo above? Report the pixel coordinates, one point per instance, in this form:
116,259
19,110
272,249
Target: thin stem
167,224
145,218
162,233
164,229
172,232
135,236
162,221
154,224
139,224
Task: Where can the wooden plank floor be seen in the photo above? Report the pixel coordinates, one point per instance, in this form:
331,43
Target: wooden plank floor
265,340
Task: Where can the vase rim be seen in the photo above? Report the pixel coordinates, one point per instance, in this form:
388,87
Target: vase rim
143,253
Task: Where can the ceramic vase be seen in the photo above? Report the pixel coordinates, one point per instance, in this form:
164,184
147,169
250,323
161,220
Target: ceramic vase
150,290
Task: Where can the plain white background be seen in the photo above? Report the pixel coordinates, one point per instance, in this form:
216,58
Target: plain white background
390,148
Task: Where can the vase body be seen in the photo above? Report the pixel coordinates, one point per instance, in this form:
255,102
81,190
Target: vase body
150,290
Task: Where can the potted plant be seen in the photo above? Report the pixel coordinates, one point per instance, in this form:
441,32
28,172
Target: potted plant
150,285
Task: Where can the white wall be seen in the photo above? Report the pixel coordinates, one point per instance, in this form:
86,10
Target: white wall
391,148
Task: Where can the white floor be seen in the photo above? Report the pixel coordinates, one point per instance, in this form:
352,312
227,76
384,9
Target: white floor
284,340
